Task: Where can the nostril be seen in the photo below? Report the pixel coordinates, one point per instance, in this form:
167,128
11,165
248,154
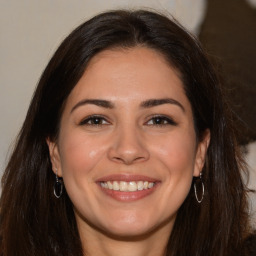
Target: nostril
139,159
128,160
124,160
118,159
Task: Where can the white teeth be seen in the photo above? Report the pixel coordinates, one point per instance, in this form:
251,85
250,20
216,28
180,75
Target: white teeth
150,185
127,186
123,186
140,185
109,185
115,185
132,186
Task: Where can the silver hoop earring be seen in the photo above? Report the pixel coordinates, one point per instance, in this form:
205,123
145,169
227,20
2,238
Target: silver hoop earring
202,185
58,187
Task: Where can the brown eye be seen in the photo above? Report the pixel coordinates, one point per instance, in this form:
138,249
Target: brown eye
160,121
94,121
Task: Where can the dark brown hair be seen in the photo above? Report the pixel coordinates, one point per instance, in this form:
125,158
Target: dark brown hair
34,222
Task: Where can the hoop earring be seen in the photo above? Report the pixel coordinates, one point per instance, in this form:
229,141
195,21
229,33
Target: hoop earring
202,184
58,187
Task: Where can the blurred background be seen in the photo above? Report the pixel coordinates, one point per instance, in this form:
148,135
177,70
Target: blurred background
31,30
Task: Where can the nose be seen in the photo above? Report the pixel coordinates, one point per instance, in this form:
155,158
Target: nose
128,146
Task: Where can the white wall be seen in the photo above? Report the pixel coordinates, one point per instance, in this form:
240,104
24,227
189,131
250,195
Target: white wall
251,161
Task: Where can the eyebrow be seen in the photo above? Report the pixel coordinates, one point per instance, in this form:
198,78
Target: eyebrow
100,103
145,104
156,102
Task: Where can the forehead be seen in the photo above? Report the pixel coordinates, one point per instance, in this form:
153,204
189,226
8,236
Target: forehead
123,75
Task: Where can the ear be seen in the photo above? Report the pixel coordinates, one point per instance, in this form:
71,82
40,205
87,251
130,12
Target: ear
201,152
55,157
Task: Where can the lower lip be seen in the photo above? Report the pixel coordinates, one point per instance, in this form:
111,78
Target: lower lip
129,196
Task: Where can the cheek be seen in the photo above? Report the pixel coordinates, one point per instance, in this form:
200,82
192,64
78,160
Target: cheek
177,152
177,158
79,154
174,158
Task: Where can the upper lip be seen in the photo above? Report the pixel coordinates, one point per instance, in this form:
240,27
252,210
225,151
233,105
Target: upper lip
126,177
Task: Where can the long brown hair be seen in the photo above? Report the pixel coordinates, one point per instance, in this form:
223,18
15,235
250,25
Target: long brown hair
34,222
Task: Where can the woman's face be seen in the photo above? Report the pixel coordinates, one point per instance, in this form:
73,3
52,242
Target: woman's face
127,147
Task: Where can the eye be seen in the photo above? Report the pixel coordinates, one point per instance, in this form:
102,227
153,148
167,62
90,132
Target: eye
161,121
94,121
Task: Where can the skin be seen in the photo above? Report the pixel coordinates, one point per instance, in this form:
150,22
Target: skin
129,140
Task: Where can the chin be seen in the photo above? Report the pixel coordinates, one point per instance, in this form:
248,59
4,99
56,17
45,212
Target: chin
131,228
128,232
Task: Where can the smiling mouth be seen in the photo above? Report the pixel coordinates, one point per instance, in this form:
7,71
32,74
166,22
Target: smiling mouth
130,186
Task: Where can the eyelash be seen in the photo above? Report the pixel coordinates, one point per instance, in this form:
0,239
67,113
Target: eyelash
165,119
158,120
92,119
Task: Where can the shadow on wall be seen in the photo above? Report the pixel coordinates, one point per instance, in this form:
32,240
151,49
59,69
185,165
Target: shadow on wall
229,32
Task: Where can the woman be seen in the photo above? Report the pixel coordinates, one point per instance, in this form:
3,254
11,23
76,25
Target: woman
127,149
